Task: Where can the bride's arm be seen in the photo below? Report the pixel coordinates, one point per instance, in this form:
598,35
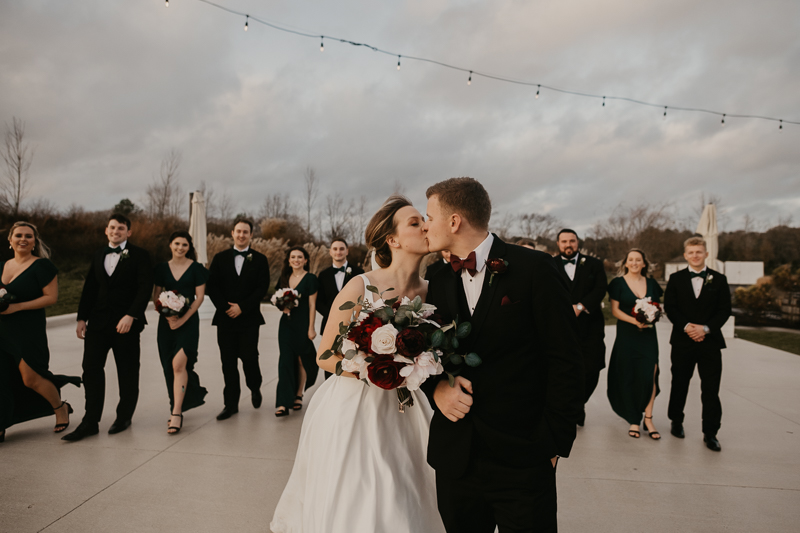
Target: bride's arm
350,293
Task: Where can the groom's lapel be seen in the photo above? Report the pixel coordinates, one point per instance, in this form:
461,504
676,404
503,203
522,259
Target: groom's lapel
489,291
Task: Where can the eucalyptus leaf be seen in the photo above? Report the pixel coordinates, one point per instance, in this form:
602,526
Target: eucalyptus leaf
346,306
342,328
391,301
451,379
350,354
456,359
369,359
417,303
464,329
339,368
373,289
437,338
472,359
385,313
327,354
454,343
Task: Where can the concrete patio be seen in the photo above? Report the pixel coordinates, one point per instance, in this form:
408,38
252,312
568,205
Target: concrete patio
228,476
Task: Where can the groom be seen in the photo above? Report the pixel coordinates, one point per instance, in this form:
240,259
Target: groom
496,436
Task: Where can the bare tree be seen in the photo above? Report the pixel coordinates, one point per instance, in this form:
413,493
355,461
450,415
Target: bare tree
340,217
538,226
312,191
164,195
503,225
17,156
625,224
705,199
276,205
362,217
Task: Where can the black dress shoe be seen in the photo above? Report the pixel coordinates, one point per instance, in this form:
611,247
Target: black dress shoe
83,430
677,430
582,419
227,413
257,398
712,443
119,426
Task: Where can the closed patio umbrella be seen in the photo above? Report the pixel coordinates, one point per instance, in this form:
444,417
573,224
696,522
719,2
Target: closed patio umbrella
707,227
197,227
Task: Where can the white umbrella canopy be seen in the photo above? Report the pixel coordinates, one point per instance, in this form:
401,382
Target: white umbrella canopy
707,227
197,226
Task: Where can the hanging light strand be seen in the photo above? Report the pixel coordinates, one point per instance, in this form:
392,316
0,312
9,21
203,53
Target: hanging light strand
539,86
246,20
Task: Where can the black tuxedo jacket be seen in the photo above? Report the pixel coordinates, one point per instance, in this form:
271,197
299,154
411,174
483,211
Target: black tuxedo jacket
712,308
433,268
528,392
248,289
588,288
328,291
106,299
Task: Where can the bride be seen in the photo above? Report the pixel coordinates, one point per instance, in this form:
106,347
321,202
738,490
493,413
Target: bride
361,465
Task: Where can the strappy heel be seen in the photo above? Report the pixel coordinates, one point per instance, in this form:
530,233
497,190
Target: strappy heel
282,411
298,403
655,435
633,433
61,427
176,428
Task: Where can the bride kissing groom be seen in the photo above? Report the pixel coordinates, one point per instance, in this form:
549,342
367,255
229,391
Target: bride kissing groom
493,438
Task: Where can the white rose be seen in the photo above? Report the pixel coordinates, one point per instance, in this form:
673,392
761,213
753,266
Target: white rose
424,366
356,365
383,339
348,345
3,292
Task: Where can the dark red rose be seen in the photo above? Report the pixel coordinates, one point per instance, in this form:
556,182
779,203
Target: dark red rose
436,317
384,372
396,305
410,342
496,265
362,334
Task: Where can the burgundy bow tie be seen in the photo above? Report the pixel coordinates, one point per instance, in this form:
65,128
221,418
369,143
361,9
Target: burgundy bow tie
470,263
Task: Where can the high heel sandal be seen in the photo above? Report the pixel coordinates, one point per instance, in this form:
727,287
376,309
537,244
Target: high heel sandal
61,427
176,428
633,433
655,435
282,411
298,403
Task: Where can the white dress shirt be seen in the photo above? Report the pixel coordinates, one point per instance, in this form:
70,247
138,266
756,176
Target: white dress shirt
238,260
697,283
112,260
473,285
569,268
339,277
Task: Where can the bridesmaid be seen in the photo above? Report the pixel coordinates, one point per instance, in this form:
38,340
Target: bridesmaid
633,368
178,337
297,364
28,389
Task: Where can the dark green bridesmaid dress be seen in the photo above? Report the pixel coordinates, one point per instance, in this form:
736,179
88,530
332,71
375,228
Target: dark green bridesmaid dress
634,357
186,337
23,335
293,342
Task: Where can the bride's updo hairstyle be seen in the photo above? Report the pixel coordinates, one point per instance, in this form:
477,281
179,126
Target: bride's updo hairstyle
39,249
381,226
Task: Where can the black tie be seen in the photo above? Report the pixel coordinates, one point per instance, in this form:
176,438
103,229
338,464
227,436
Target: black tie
565,261
110,250
340,269
702,274
239,252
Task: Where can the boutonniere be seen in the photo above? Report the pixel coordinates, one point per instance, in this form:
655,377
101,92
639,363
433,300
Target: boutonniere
348,271
249,258
123,255
709,278
582,261
496,265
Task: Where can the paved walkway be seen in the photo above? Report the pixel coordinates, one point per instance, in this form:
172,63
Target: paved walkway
228,476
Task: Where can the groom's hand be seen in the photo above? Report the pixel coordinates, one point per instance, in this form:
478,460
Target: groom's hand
454,402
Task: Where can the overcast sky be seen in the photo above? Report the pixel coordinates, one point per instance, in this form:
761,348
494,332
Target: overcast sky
108,88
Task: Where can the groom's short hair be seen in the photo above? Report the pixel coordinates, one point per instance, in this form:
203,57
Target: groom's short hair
465,196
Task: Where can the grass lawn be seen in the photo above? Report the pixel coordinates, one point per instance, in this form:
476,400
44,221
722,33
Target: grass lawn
788,342
70,285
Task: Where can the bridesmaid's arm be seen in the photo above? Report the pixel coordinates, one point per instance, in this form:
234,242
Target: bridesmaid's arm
200,294
312,315
619,314
49,297
350,293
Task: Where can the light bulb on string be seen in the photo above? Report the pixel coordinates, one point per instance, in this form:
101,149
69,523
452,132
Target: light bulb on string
469,81
246,21
780,126
538,88
398,62
321,43
604,101
723,119
167,3
665,111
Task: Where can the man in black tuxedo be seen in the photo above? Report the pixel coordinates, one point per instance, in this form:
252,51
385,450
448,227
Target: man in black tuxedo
698,303
333,278
496,435
434,267
586,279
238,280
115,295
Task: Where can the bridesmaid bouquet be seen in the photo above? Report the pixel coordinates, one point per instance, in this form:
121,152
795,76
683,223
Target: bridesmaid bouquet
646,311
6,299
285,299
398,344
170,303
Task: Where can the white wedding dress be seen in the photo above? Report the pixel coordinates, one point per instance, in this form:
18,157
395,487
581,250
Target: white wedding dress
360,465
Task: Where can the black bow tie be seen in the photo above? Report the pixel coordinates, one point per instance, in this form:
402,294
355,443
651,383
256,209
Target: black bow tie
340,269
702,274
110,250
239,252
574,260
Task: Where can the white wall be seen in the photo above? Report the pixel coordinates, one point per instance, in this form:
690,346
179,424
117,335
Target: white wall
744,272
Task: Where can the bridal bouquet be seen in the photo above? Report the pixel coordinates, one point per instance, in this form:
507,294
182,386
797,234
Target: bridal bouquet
398,344
170,303
285,299
6,299
646,311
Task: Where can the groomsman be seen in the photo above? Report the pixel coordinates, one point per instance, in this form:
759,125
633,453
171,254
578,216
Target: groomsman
111,317
238,281
586,279
333,278
434,267
698,303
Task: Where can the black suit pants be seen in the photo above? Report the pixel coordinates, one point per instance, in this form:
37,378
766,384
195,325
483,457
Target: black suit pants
516,500
126,349
234,345
709,367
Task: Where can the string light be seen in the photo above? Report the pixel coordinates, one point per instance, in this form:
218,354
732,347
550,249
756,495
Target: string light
246,20
398,62
167,3
282,28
